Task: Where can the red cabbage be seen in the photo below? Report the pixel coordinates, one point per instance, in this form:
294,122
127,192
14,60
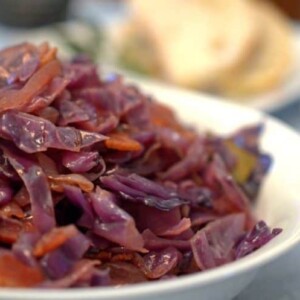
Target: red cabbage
159,263
100,278
214,244
79,270
6,193
80,162
162,223
113,223
37,185
56,264
23,248
70,113
138,189
192,162
60,261
255,239
33,134
76,197
7,172
97,121
55,88
81,75
153,242
102,185
230,198
199,218
18,63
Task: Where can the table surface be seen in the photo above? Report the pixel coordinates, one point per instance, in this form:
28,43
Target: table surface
279,280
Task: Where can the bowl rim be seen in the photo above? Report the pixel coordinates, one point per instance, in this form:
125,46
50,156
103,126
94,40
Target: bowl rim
199,279
248,263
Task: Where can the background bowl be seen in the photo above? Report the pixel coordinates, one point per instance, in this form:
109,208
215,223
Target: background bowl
32,13
278,204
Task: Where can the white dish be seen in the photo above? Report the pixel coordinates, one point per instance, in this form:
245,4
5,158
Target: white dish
278,204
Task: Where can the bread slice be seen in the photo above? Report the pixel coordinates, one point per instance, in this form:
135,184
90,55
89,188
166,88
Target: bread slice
270,63
134,49
196,41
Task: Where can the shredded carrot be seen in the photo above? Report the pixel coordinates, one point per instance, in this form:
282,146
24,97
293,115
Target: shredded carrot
13,273
53,239
122,142
163,116
48,56
57,182
122,257
19,99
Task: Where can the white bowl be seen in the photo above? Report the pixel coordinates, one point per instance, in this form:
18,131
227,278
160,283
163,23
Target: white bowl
278,204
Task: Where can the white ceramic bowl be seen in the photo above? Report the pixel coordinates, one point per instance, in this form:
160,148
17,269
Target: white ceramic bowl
278,204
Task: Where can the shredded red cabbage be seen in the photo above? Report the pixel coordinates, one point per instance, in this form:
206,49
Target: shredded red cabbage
102,185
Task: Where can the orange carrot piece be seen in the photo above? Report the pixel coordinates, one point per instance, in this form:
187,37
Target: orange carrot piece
122,142
13,273
48,56
19,99
57,182
53,239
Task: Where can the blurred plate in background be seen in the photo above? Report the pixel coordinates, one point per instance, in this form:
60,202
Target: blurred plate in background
90,17
286,93
282,96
